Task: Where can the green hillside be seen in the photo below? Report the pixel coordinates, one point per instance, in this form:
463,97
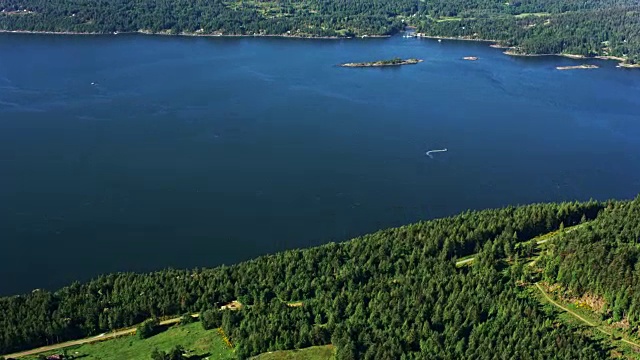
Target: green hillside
394,294
197,342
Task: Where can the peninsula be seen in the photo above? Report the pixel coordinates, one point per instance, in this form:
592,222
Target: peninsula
392,62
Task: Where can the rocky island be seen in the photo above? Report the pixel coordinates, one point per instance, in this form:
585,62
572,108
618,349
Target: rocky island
392,62
584,66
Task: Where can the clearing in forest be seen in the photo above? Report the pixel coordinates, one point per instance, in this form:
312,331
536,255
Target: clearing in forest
326,352
198,343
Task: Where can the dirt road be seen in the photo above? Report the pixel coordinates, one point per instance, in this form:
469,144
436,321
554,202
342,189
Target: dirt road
580,317
101,337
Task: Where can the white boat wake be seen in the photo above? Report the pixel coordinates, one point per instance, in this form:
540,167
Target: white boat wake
428,153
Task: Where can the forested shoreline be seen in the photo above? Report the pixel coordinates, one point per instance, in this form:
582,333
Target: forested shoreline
394,294
604,28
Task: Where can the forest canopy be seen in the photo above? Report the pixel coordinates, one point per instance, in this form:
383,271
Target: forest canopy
603,27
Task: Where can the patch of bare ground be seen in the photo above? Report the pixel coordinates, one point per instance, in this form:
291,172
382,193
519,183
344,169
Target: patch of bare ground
234,305
588,301
591,302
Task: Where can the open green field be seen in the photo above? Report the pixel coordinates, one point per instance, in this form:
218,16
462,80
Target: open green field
199,343
326,352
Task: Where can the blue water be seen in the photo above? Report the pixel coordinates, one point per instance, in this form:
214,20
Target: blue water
190,152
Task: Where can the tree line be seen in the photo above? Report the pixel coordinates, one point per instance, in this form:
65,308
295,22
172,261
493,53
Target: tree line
591,27
601,31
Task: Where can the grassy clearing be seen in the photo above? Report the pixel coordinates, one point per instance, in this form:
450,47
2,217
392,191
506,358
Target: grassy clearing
448,18
269,9
201,344
326,352
526,15
295,303
467,257
539,241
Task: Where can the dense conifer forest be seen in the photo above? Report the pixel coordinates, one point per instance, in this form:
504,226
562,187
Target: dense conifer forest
394,294
607,27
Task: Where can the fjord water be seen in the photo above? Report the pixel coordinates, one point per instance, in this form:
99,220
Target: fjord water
122,153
